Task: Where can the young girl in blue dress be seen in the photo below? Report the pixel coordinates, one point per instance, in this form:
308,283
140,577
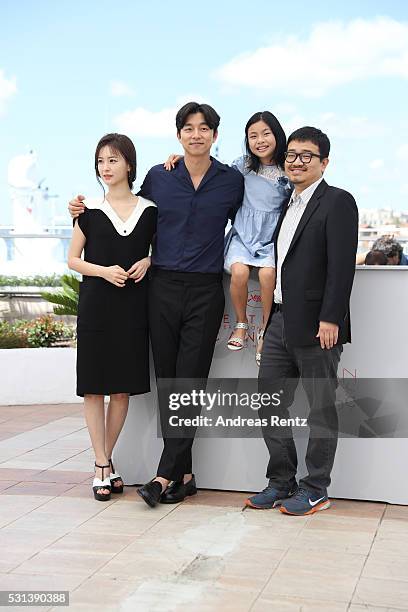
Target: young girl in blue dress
249,243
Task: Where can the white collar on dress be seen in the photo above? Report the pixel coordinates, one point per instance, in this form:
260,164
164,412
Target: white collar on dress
124,228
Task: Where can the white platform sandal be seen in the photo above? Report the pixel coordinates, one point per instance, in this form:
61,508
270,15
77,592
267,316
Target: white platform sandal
238,342
259,337
116,480
98,484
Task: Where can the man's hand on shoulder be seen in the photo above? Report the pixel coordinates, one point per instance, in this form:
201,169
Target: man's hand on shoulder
76,206
328,334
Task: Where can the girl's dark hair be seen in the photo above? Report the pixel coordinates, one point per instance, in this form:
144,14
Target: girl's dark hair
254,162
120,144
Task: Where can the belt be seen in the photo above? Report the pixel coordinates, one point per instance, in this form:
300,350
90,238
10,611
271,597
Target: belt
194,278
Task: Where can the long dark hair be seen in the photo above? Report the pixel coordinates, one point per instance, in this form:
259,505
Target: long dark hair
254,162
120,144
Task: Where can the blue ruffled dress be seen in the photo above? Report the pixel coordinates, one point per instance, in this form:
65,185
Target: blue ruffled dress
250,239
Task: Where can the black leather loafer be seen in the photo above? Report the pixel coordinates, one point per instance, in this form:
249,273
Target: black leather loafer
150,492
178,491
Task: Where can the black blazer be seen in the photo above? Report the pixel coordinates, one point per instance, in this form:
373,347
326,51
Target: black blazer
318,270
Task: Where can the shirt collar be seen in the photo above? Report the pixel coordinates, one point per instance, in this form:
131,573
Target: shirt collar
182,173
220,166
215,166
305,195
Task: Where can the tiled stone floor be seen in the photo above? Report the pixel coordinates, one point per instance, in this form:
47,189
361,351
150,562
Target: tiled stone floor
204,555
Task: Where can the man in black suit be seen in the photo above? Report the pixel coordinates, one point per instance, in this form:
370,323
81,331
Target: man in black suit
315,249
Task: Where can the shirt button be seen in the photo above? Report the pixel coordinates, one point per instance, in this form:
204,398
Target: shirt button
124,231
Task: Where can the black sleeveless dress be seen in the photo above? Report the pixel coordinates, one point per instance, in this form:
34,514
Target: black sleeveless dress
112,325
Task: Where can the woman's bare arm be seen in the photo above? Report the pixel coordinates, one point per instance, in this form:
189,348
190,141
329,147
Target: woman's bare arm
113,274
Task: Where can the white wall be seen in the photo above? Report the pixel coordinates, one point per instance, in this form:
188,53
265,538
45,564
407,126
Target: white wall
372,469
364,468
37,376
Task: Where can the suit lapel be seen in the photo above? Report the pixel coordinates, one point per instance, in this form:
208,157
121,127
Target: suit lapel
310,208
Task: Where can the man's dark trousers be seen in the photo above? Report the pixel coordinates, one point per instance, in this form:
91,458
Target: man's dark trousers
317,368
185,313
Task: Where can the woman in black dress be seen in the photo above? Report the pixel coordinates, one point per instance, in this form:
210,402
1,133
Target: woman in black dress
112,329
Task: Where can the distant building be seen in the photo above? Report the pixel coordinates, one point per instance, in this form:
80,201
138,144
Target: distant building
382,216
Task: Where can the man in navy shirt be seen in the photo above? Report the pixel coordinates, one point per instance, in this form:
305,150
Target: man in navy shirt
186,301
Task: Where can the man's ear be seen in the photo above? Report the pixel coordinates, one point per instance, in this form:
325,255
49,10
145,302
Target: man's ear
324,163
178,136
215,136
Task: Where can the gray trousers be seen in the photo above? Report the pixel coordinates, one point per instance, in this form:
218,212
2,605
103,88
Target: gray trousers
281,368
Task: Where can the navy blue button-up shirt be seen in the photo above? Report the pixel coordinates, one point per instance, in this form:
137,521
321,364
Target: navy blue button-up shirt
191,223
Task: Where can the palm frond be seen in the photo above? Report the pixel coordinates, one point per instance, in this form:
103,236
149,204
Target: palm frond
67,299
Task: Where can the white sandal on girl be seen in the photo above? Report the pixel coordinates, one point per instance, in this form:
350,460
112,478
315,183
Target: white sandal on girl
238,342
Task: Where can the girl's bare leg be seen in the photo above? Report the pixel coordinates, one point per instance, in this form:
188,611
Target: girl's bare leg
95,420
239,295
267,281
115,419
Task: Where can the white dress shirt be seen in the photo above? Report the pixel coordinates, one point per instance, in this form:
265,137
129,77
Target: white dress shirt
296,208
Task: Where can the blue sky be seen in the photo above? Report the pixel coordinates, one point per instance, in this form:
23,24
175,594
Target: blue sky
72,71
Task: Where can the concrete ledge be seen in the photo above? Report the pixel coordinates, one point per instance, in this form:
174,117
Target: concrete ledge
38,376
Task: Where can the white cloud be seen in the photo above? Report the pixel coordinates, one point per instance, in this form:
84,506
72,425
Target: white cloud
8,88
144,122
151,124
402,152
337,126
120,88
296,121
364,190
335,53
349,126
284,108
375,164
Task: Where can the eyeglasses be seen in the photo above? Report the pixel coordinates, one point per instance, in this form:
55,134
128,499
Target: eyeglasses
305,158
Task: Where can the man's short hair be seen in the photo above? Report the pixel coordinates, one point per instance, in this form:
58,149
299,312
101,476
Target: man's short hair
388,245
376,258
211,117
314,135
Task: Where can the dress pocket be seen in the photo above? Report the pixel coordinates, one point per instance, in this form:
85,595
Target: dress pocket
92,307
